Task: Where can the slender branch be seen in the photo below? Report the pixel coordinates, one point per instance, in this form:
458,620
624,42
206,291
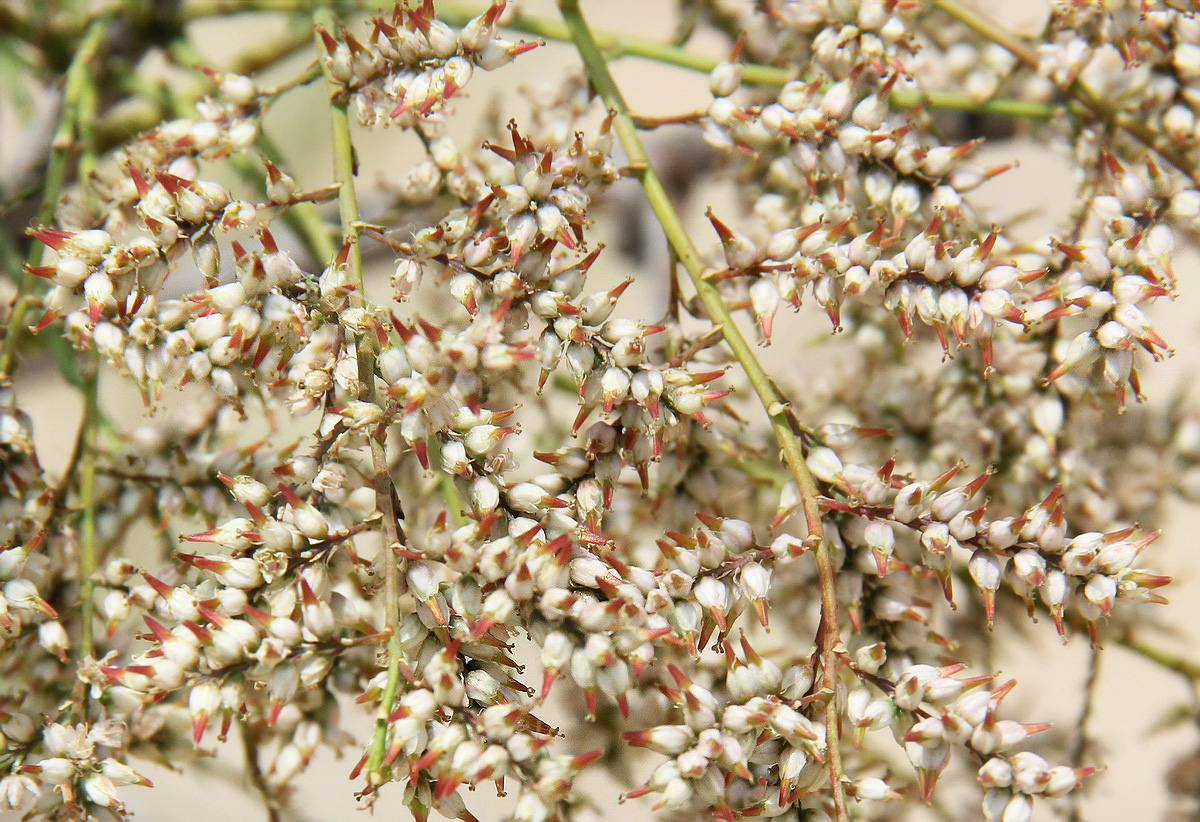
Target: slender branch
254,771
85,126
448,489
990,29
121,123
252,61
385,499
1080,746
1187,668
764,387
264,55
959,101
620,45
90,388
28,193
89,445
344,159
79,77
79,694
649,122
1106,110
310,74
626,45
303,218
199,9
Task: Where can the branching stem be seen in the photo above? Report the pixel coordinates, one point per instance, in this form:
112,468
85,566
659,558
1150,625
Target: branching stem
1103,108
89,444
79,76
1082,742
304,218
616,45
1183,666
89,371
258,779
776,408
385,501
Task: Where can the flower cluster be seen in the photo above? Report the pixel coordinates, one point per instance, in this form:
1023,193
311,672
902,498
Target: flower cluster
859,206
481,480
412,64
74,771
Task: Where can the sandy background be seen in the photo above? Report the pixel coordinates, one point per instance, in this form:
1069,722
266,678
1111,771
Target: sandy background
1133,696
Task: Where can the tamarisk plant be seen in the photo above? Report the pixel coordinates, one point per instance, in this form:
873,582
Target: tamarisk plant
778,584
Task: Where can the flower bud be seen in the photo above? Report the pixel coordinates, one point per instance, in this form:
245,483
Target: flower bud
995,773
824,464
725,78
881,540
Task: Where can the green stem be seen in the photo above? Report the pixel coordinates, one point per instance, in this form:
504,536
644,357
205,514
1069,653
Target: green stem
623,45
89,446
124,122
344,160
448,489
305,77
199,9
1172,662
393,540
990,29
90,388
774,404
263,56
344,167
620,45
79,77
28,193
957,101
89,105
303,218
1105,110
253,60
